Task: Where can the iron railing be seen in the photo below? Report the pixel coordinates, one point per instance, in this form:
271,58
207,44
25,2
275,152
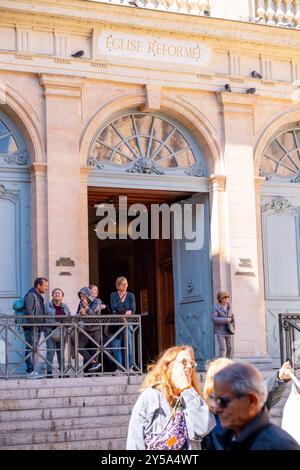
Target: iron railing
289,335
73,337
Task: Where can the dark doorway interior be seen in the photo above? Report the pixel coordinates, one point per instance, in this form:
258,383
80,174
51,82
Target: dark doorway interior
134,260
147,264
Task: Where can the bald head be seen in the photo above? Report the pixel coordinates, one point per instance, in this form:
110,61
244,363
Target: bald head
243,379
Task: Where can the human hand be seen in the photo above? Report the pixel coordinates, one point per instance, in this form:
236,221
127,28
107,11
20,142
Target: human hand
180,377
82,311
127,313
229,320
103,306
283,371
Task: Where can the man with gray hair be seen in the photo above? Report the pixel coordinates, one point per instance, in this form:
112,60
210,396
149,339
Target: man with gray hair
239,398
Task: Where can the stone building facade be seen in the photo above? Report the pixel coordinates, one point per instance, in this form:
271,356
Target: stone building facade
144,112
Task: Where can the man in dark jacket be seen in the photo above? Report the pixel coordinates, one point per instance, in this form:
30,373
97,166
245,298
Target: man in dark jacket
239,397
34,306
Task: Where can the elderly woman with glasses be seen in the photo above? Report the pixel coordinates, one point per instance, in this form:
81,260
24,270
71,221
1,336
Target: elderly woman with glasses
170,413
224,324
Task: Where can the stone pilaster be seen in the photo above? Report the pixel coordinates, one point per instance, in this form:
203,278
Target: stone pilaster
63,125
219,248
242,233
39,219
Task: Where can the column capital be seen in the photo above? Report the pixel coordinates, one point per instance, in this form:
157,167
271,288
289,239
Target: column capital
61,85
84,172
258,181
236,102
38,167
217,183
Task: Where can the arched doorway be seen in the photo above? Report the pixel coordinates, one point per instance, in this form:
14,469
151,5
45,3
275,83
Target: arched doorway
280,209
152,159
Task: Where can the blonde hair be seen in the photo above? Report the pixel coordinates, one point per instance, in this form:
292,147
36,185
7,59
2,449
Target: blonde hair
212,368
160,374
222,294
120,280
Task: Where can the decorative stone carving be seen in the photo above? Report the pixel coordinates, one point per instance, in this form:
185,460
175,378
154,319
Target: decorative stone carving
296,178
92,162
143,165
9,195
279,204
195,170
19,157
264,175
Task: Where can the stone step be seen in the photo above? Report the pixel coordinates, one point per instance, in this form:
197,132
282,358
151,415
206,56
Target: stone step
64,423
103,444
65,435
58,392
72,412
65,402
23,383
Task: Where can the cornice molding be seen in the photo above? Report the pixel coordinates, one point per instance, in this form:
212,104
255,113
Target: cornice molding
83,14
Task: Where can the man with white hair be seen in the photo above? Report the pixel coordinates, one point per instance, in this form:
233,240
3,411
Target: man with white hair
239,397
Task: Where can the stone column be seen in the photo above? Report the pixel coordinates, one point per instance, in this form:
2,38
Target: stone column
242,231
66,212
39,220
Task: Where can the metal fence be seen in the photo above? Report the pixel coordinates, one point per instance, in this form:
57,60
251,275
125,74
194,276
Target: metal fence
289,334
70,346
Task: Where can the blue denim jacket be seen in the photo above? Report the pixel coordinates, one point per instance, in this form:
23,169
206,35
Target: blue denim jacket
151,412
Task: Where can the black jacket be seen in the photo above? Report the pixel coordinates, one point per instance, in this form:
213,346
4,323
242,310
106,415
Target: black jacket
259,434
33,305
276,388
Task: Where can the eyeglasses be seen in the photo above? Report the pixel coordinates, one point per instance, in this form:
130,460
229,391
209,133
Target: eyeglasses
223,402
185,362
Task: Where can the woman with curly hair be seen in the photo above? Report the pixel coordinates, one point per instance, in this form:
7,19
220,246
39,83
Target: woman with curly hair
170,413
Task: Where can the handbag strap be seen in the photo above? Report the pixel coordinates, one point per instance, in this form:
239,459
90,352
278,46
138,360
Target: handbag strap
168,420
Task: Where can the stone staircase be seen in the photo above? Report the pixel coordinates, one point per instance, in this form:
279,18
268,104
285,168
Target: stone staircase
74,413
71,413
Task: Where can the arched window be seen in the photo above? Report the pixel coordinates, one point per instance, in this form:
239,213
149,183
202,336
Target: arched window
281,158
145,143
12,146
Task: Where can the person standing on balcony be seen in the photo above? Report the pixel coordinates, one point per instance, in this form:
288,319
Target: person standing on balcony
89,336
34,306
122,302
56,308
224,324
95,308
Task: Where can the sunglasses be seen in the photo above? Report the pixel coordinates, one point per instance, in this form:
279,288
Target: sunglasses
185,362
225,297
223,402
